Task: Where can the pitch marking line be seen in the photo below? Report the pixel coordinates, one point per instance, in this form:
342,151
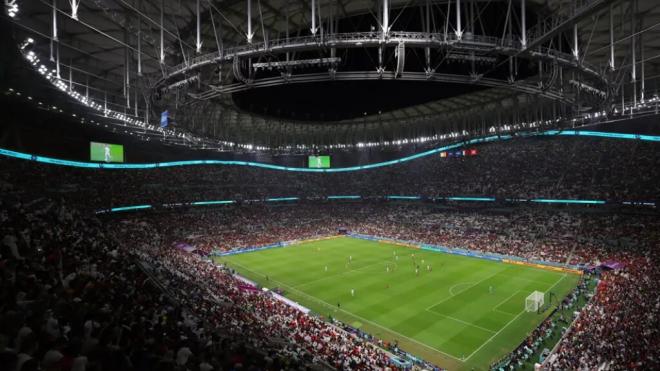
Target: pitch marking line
505,300
497,333
450,292
461,321
510,322
404,336
358,317
451,289
503,312
559,280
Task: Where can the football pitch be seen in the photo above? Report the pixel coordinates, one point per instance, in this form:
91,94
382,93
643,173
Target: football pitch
463,313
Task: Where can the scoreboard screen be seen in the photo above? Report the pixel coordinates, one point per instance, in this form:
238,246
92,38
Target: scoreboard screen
318,162
105,152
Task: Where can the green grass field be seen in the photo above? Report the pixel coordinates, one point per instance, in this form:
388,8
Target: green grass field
448,315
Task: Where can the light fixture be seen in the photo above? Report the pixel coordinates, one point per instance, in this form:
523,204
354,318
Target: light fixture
11,7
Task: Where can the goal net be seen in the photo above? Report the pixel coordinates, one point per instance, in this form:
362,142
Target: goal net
534,301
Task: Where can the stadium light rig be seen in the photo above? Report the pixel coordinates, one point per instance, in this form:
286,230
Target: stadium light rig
61,84
11,6
51,76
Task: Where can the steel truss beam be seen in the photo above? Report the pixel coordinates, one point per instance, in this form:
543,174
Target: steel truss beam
479,45
560,22
529,88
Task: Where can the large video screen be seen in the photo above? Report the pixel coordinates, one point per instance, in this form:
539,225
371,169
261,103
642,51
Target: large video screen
105,152
319,161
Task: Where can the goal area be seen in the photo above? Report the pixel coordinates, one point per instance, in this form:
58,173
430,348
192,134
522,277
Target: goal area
534,301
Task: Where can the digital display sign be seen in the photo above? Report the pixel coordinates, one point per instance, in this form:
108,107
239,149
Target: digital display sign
459,153
105,152
318,162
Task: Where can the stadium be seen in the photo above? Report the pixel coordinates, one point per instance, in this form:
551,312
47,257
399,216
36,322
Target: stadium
329,185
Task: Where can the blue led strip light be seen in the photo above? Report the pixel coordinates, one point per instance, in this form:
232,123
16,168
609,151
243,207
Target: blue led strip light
480,199
550,201
404,197
602,134
418,198
492,138
223,202
126,208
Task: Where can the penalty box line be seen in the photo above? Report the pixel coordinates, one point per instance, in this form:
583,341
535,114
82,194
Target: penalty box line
430,308
510,322
358,317
504,301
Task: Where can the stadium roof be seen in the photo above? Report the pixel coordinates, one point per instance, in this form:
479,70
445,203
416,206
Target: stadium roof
226,81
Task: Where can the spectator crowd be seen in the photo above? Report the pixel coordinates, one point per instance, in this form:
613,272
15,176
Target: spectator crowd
533,233
81,293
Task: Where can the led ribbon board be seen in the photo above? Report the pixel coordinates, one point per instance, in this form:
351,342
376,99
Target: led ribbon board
355,197
153,165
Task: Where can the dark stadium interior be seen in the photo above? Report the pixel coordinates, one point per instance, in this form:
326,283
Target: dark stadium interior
145,144
334,101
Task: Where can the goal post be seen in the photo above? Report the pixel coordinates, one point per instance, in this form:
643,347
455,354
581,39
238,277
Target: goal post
534,301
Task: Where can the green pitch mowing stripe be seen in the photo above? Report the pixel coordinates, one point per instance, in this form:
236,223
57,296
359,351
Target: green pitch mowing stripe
458,312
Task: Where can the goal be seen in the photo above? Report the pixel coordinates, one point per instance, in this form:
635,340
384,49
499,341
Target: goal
534,301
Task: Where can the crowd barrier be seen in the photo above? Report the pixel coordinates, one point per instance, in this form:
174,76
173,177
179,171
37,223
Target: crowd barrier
291,303
273,293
